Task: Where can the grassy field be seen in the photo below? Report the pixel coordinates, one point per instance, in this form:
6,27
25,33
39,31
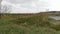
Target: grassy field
27,24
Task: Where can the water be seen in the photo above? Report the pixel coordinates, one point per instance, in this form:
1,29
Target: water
55,17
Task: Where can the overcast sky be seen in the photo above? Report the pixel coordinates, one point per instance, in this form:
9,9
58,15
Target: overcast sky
32,6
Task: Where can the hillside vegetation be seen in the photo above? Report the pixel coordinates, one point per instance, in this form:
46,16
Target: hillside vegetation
27,24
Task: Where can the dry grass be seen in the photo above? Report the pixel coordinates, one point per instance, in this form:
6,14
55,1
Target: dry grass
27,24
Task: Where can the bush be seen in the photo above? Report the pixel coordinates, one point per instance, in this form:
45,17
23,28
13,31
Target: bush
56,27
34,20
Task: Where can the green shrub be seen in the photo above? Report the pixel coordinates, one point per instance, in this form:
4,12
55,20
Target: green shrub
56,27
34,20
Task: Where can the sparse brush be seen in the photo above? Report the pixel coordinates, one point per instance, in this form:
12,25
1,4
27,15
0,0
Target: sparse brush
36,24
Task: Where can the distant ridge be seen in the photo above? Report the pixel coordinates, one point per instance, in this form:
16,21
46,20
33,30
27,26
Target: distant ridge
56,12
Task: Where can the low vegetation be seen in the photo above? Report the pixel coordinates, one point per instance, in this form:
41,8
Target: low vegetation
27,24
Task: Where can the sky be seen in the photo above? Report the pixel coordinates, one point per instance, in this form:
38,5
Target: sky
32,6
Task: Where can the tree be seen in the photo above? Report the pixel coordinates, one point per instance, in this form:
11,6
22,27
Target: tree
0,8
6,9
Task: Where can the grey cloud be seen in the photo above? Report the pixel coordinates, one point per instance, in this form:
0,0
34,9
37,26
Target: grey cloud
20,1
37,5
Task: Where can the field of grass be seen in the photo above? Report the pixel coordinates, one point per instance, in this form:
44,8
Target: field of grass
27,24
